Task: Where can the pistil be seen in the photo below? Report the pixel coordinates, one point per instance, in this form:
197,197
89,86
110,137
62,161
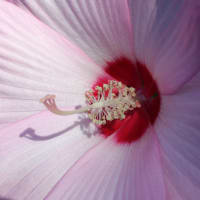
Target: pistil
104,104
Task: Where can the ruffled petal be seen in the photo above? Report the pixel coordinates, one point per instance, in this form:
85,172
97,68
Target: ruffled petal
101,28
36,61
112,171
171,48
178,131
36,152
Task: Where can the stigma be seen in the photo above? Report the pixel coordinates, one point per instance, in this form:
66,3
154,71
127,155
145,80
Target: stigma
106,103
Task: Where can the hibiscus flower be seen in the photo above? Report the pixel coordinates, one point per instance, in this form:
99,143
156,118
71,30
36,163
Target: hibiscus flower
146,145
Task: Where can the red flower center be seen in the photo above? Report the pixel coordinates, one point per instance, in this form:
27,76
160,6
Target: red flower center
136,122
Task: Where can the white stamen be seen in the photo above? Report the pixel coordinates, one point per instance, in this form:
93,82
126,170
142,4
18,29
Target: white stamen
119,100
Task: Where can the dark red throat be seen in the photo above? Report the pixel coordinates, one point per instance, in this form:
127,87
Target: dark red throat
136,123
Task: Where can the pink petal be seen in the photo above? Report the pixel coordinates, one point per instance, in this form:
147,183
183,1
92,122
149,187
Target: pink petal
172,193
114,172
35,61
35,153
172,46
178,127
101,28
142,14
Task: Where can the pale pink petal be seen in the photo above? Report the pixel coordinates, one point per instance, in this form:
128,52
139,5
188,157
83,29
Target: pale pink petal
36,61
35,153
171,49
143,13
101,28
172,193
166,39
113,171
178,130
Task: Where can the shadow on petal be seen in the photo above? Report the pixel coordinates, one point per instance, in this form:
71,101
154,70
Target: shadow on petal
4,198
84,123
